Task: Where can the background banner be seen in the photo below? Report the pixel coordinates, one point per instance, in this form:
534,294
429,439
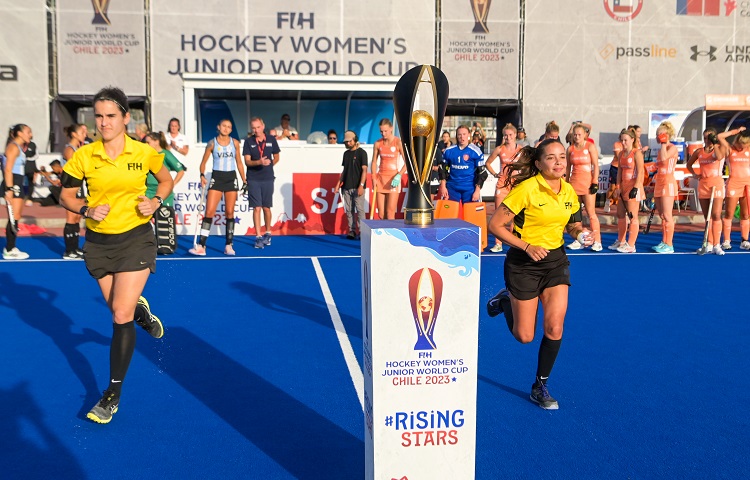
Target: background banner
479,48
298,37
100,43
24,91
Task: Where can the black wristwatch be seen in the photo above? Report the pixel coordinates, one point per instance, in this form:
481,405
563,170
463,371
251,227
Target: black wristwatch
83,211
158,198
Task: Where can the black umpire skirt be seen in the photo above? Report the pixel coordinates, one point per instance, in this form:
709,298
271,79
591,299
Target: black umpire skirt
526,279
130,251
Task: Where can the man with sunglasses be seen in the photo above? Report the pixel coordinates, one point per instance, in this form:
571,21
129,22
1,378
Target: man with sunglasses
352,183
333,137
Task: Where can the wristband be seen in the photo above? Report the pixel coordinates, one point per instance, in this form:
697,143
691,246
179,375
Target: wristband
158,199
527,247
202,175
83,211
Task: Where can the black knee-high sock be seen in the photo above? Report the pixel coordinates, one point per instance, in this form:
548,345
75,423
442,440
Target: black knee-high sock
120,353
10,237
205,229
71,233
230,231
547,355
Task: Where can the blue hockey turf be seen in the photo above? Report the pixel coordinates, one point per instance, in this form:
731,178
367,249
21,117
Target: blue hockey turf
251,379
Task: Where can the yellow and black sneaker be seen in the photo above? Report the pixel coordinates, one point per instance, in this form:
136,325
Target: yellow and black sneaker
147,320
105,408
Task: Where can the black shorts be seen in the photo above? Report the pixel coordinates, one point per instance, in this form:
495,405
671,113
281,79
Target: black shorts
260,193
130,251
526,279
612,175
223,181
18,185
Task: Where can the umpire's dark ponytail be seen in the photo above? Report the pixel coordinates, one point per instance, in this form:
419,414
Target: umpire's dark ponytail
524,166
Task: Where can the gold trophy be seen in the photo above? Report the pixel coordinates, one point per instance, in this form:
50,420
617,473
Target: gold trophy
418,130
480,9
100,12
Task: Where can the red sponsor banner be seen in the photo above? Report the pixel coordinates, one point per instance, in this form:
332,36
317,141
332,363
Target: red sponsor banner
316,210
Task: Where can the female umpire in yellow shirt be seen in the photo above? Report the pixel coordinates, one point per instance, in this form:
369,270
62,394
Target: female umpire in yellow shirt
120,247
541,205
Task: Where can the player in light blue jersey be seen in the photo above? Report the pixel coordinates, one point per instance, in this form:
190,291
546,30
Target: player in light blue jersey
462,172
225,152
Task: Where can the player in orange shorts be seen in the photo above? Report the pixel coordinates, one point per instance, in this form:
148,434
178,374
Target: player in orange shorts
385,171
630,192
738,184
612,191
506,152
711,161
665,185
583,174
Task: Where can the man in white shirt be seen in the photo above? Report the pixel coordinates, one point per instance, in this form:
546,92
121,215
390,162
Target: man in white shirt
285,131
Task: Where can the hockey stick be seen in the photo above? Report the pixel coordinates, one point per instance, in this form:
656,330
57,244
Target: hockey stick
12,219
650,217
201,204
708,223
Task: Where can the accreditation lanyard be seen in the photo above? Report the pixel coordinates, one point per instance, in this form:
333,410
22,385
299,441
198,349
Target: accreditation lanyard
261,147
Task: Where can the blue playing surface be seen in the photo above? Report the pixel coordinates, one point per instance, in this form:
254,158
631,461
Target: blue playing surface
250,380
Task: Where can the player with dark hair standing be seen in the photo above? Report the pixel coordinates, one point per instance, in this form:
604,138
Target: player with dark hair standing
541,205
13,174
72,229
120,247
225,153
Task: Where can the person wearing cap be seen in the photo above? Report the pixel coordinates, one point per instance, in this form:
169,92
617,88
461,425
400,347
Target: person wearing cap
286,131
521,139
352,183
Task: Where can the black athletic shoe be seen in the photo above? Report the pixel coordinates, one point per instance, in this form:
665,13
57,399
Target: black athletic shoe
105,408
540,395
151,322
500,303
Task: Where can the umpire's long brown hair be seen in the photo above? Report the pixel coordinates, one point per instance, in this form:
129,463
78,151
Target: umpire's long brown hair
523,165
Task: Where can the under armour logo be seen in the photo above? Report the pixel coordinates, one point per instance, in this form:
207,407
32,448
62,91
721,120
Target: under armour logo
710,52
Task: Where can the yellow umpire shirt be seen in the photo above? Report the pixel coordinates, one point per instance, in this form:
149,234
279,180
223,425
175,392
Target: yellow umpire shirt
117,182
541,214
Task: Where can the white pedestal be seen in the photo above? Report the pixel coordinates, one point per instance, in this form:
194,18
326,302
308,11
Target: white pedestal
420,333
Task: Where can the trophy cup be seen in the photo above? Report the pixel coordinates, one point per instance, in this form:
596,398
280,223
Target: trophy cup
480,9
100,12
418,129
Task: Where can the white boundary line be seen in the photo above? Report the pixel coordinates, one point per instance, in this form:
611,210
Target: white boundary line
346,347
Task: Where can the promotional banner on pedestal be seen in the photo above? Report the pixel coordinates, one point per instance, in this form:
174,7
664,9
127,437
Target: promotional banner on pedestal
420,333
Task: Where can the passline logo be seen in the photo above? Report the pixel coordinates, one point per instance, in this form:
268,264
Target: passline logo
653,51
623,10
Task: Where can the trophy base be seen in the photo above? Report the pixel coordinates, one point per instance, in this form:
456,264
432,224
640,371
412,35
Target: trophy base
419,217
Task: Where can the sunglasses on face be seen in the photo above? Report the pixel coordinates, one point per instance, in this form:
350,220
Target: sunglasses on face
332,138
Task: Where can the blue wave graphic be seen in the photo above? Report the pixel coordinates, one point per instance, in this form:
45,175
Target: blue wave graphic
455,247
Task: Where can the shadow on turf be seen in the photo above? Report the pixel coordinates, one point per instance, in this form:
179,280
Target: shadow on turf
297,438
511,390
299,305
30,449
34,305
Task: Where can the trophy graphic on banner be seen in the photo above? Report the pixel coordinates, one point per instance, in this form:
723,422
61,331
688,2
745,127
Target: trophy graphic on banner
418,130
425,294
480,9
100,12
